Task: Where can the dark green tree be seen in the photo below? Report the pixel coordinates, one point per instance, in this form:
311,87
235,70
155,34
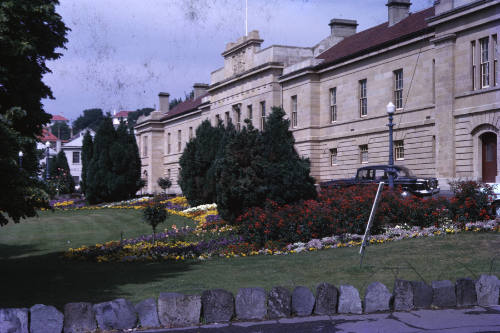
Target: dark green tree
60,176
258,166
198,161
164,183
91,118
30,33
154,214
87,150
114,169
61,130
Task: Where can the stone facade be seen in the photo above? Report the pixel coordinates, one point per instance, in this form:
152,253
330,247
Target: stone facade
434,61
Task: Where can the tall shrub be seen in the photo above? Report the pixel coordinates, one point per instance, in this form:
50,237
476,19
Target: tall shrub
87,150
60,175
259,166
197,162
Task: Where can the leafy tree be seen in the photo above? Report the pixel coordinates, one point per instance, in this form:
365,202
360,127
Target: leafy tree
257,166
133,116
21,192
87,150
61,130
198,162
30,32
60,175
114,168
91,118
155,214
164,183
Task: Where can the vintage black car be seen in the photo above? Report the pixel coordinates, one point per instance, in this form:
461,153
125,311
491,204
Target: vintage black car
402,177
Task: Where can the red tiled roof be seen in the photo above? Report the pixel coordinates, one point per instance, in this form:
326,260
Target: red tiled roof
185,106
47,136
376,37
57,117
123,114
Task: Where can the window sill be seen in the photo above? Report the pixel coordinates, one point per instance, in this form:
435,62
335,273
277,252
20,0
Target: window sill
478,91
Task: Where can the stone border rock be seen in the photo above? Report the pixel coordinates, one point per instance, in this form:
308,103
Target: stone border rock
218,305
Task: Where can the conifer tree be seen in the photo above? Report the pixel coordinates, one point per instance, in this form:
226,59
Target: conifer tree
87,150
60,175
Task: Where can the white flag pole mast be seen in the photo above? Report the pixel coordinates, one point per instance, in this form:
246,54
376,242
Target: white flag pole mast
246,17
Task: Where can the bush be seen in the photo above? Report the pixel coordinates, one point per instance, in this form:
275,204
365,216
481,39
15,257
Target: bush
154,214
337,211
470,203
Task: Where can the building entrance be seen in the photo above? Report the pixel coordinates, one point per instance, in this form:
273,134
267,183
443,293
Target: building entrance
489,157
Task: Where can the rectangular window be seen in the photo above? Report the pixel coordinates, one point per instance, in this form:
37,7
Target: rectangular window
76,179
145,147
398,89
333,105
473,61
169,174
399,150
294,111
333,156
495,60
363,102
237,115
179,140
217,119
250,112
178,175
169,147
190,133
262,115
227,118
485,62
363,153
76,157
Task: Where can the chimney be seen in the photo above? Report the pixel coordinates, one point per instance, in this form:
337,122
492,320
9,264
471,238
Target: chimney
398,10
342,28
164,106
200,89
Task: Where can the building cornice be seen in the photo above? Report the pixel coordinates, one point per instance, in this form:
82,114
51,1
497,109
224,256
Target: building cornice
454,13
245,74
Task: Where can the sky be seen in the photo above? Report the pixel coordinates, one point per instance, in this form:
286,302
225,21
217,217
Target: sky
121,53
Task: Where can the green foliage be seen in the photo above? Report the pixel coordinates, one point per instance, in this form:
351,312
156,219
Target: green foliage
113,172
61,130
198,161
259,166
154,214
133,116
30,32
87,151
164,183
60,176
22,193
91,118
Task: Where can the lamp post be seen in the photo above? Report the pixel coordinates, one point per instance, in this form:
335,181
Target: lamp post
390,111
20,159
47,145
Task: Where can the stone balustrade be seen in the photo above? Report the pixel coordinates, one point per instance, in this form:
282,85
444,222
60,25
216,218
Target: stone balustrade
218,306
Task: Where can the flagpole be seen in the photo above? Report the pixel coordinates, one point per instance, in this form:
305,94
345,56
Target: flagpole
246,17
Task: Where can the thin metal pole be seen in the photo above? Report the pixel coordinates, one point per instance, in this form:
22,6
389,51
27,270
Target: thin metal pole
20,162
246,17
391,157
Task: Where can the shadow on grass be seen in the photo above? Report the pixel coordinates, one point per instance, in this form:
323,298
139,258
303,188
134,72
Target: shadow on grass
52,280
9,251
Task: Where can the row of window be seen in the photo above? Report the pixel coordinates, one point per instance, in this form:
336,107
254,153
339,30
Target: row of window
487,63
237,116
399,153
363,99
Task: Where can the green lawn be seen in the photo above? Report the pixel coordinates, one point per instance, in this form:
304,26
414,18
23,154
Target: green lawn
32,270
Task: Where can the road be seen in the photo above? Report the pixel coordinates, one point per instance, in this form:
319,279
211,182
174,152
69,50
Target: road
470,320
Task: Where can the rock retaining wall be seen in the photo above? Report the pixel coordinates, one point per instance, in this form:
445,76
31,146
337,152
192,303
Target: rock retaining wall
218,305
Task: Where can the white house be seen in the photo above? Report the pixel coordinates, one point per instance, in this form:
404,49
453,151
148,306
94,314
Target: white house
73,151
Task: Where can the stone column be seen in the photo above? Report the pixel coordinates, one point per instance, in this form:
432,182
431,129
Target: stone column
444,105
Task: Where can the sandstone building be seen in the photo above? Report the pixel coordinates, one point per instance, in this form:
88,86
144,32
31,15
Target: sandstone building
438,66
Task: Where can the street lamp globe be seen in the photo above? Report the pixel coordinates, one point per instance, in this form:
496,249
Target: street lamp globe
391,108
47,144
20,153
